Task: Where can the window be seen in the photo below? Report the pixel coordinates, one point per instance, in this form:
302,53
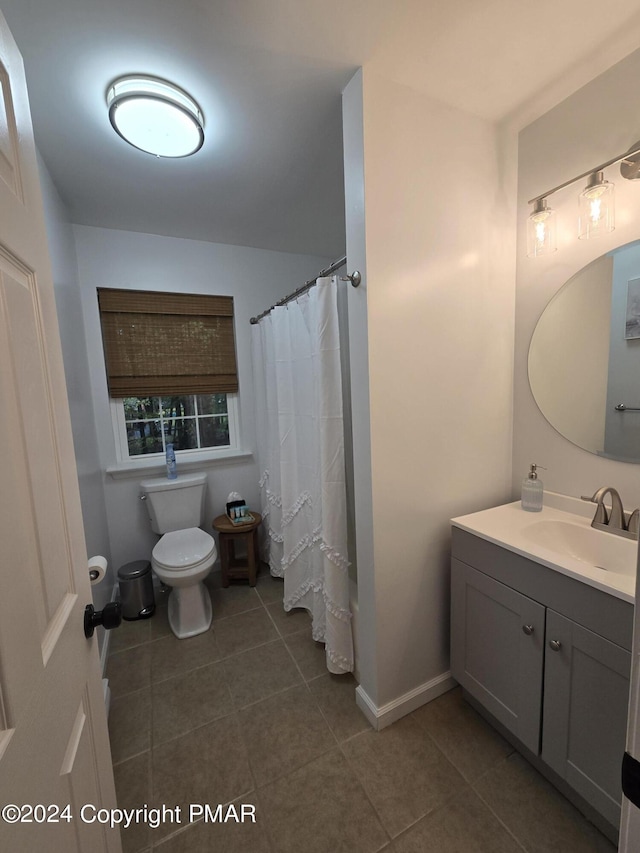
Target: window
193,422
171,370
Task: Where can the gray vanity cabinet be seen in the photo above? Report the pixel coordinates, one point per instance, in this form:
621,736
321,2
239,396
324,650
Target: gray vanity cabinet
548,657
492,657
586,692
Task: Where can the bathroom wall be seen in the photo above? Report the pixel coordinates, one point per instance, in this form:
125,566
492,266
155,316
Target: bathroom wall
434,322
67,292
598,121
254,277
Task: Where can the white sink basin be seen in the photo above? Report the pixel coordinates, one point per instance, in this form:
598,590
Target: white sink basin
561,538
598,549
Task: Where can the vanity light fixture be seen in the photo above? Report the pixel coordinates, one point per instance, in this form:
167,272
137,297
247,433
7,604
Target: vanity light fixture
595,203
630,163
541,229
155,116
596,207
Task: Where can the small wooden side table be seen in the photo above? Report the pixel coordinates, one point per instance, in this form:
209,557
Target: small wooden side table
230,533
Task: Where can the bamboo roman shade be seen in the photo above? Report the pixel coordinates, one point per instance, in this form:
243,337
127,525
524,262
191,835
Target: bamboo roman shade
159,343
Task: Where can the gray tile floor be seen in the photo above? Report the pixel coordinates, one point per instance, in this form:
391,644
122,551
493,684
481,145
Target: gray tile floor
247,713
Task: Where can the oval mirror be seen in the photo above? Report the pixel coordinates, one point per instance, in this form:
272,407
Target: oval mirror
584,357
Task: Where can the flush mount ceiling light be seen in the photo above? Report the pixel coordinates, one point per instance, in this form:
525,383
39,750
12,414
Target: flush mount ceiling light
155,116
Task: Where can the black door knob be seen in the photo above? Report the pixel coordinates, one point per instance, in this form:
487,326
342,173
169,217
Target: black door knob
109,617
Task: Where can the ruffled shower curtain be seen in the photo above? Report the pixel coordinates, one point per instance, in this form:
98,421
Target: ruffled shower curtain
299,423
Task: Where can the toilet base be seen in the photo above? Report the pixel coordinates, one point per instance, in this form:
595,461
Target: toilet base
189,610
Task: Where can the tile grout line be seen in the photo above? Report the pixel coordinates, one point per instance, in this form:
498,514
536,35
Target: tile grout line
472,785
363,788
508,830
502,760
280,692
120,696
151,743
232,712
157,845
277,778
290,653
521,843
284,775
444,802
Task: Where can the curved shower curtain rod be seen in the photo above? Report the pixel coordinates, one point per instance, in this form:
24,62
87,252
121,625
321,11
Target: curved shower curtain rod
354,278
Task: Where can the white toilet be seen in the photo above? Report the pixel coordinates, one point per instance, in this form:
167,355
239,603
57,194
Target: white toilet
185,554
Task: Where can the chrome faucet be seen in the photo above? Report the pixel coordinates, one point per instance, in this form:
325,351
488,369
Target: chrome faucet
614,522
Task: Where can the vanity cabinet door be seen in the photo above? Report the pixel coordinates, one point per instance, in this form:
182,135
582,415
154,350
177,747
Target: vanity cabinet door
497,638
586,691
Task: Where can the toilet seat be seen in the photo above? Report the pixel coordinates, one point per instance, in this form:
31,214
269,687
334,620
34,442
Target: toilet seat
183,550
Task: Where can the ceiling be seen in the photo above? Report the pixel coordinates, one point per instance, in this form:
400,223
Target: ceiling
268,75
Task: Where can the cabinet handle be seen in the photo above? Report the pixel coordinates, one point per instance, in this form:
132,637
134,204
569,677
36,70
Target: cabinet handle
556,645
528,630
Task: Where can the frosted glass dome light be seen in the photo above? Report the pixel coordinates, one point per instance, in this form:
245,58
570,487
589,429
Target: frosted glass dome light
155,116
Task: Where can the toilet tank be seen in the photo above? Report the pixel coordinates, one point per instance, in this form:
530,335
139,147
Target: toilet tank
175,504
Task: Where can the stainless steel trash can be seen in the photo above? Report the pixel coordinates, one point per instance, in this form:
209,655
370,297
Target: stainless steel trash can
136,590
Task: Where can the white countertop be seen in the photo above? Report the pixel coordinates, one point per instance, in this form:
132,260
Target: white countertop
521,532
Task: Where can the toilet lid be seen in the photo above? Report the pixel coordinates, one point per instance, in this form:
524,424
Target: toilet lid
183,548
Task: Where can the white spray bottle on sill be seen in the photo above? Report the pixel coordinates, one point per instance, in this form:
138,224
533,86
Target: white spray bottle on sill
172,473
532,490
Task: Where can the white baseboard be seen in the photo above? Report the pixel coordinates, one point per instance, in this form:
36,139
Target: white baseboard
382,717
106,636
106,690
104,654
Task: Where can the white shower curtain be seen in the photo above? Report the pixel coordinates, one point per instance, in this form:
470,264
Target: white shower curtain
296,360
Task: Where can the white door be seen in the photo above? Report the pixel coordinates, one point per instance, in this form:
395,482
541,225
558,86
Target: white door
630,820
54,747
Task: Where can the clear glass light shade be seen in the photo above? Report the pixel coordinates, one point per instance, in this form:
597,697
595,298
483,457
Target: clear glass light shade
597,214
155,116
541,230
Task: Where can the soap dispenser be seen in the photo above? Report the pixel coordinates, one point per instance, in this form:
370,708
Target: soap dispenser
532,490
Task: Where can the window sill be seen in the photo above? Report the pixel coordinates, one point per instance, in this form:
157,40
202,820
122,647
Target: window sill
194,461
